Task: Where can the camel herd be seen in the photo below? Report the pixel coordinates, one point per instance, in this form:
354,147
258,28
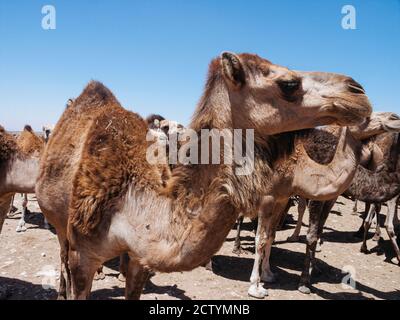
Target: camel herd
315,138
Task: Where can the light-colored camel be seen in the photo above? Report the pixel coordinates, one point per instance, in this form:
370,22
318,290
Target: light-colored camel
19,166
297,174
104,198
32,146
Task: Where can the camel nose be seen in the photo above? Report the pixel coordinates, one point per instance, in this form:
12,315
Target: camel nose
354,86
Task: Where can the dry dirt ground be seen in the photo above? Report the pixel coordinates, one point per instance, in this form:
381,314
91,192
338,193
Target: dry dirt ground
29,265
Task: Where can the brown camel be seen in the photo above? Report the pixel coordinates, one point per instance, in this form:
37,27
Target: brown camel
299,175
19,166
104,198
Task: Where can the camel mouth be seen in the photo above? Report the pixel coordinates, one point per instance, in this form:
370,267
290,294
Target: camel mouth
349,111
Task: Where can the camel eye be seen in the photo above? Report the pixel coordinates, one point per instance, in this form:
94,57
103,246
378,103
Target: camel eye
289,87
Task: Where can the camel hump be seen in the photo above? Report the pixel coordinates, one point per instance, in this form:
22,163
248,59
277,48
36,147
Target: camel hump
95,94
28,128
113,158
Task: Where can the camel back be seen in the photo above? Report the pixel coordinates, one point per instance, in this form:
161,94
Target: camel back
111,156
29,143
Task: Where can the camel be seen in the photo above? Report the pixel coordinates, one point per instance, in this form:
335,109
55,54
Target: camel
19,165
297,174
31,145
380,186
373,156
104,198
377,186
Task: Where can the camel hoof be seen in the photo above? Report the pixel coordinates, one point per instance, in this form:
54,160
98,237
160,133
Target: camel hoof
257,292
47,226
395,261
304,289
121,277
21,229
99,276
237,250
268,277
364,249
293,238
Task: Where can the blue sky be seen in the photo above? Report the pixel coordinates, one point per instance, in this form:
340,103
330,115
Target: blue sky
154,54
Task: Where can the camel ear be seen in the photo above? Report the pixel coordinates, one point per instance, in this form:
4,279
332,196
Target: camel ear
232,69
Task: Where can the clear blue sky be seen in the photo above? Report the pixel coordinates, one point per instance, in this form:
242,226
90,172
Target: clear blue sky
154,54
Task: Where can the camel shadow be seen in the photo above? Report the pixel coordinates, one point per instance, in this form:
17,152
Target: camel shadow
239,269
34,219
117,292
15,289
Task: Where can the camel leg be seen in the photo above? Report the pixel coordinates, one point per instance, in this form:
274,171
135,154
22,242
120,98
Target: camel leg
367,225
4,206
272,226
46,224
378,233
360,232
319,212
21,224
355,210
396,221
301,210
136,277
64,291
237,248
256,289
83,267
13,210
123,266
389,226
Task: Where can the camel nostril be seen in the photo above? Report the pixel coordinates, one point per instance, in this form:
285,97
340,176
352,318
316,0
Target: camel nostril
355,87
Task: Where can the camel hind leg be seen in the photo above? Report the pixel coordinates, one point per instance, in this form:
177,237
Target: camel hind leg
367,225
21,224
319,212
237,248
389,226
301,209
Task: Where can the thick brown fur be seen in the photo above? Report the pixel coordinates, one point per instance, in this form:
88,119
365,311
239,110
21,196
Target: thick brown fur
29,143
112,157
8,145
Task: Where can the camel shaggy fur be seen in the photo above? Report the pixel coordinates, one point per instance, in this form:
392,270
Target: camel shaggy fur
19,166
104,198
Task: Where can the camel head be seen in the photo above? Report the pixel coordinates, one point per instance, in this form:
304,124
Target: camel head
377,123
272,99
171,127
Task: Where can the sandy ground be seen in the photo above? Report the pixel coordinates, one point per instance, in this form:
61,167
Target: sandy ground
29,265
